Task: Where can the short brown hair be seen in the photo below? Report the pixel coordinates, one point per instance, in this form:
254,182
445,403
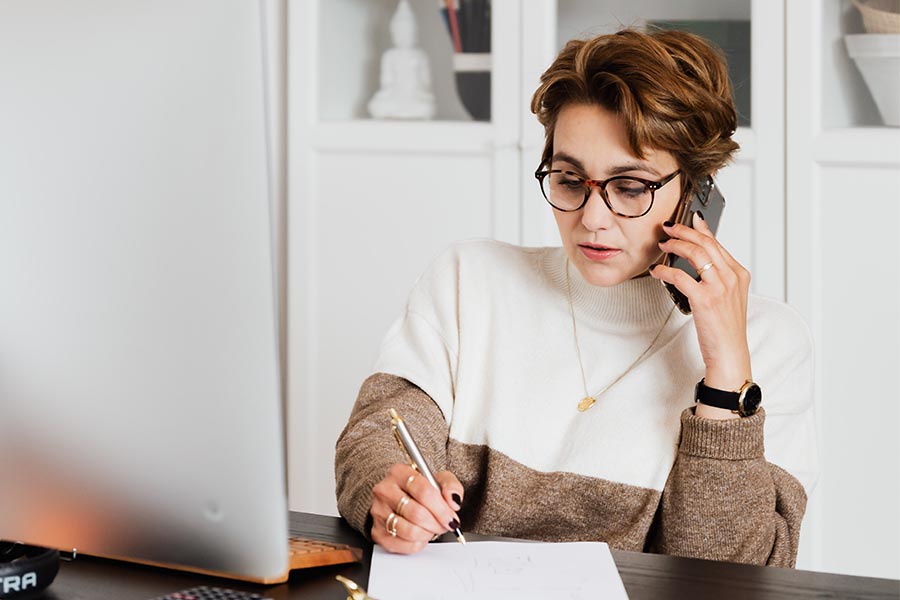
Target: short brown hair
670,87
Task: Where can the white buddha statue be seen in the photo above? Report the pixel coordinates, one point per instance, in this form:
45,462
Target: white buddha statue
405,91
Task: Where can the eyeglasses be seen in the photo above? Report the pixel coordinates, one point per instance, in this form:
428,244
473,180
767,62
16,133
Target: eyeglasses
629,197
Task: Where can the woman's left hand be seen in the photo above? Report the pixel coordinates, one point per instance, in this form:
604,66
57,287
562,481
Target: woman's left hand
718,302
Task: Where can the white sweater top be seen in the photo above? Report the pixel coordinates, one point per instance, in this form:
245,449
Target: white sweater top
482,365
487,334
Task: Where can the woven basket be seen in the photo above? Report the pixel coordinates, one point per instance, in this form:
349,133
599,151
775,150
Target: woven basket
880,16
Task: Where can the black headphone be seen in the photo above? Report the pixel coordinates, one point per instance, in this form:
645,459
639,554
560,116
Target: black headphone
25,570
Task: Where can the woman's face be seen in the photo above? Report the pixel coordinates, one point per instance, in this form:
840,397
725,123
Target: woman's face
608,249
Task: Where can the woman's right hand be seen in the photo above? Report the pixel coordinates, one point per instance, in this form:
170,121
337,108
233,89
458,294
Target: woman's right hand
426,513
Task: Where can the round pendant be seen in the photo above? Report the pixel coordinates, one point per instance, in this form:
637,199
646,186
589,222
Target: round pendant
586,403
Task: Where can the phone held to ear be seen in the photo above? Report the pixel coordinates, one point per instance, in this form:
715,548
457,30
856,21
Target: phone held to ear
708,199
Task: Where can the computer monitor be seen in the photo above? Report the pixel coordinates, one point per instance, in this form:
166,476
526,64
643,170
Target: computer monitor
140,401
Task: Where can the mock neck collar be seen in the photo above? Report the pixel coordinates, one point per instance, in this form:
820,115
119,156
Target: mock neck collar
633,305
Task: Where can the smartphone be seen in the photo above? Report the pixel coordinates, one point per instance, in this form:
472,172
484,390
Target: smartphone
708,199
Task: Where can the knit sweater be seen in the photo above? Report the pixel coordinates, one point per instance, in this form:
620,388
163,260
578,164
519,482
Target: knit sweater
483,367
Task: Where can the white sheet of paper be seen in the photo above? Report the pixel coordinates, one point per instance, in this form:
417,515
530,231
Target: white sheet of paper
496,571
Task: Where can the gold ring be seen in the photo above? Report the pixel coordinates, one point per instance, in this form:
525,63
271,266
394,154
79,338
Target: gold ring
409,480
705,268
402,504
390,524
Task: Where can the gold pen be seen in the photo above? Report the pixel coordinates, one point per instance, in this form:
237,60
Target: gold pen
416,460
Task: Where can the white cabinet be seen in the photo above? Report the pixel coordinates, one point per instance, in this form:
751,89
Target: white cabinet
812,208
843,187
373,202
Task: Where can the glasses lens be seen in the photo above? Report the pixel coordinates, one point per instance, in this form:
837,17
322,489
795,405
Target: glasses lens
629,197
563,190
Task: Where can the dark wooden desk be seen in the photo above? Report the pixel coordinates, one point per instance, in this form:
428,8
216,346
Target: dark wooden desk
646,576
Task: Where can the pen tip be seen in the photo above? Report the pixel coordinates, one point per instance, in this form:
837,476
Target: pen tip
461,538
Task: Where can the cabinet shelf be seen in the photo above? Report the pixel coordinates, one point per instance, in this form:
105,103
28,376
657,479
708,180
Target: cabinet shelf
846,102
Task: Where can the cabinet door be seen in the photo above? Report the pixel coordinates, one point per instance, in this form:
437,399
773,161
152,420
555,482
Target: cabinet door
359,238
371,203
751,34
843,210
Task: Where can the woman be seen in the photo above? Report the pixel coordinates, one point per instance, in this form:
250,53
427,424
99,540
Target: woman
556,389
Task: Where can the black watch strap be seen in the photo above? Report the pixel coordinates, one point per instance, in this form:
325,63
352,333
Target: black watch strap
745,401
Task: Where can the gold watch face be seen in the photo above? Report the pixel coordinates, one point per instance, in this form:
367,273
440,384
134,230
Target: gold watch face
750,399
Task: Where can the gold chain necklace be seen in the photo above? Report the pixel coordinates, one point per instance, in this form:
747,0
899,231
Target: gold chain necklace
590,400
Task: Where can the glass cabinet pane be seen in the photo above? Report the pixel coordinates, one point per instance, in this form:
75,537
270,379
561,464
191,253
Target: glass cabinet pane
355,34
726,23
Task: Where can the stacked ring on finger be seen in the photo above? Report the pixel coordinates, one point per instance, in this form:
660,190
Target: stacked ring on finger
401,505
705,268
390,524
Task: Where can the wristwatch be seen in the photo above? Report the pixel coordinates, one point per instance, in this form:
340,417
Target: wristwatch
744,401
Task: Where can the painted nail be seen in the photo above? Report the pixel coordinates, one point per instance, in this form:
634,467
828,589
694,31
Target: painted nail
457,499
664,240
653,266
454,524
668,224
700,214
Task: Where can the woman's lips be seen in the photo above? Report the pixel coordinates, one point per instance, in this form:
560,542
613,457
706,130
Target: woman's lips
597,253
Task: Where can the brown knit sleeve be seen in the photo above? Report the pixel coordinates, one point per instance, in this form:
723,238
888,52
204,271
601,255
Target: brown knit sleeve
366,448
723,501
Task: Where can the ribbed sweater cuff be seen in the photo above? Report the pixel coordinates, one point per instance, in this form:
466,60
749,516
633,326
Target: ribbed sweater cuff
732,439
358,515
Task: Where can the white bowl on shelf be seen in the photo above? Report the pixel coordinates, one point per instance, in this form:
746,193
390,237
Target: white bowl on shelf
877,55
